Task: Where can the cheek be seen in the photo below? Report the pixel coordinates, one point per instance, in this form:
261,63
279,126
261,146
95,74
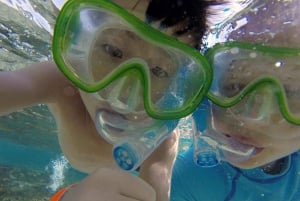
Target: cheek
282,130
91,103
273,128
221,118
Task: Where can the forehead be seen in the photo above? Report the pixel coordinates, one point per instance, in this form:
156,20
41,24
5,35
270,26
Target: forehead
139,8
285,69
136,7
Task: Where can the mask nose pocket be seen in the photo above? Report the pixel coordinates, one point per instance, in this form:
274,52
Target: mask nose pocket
124,95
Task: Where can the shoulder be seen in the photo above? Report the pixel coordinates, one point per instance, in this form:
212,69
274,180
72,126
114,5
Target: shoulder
46,81
34,84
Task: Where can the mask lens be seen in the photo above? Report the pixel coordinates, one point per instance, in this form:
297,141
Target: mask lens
114,48
97,47
83,51
264,81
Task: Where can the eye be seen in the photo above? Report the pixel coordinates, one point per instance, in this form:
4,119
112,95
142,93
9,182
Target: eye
159,72
112,50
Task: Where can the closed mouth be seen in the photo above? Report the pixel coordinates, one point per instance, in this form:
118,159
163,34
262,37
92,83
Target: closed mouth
112,128
112,122
248,143
233,149
115,125
244,140
107,125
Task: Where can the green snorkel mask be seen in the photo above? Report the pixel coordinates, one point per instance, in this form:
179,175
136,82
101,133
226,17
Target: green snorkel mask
252,83
96,43
111,54
263,78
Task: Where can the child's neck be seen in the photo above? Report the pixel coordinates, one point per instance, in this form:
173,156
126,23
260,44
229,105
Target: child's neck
275,167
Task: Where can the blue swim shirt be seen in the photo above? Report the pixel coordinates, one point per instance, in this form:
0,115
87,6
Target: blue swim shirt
227,183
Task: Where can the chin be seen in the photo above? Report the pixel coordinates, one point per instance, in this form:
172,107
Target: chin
247,165
253,162
260,159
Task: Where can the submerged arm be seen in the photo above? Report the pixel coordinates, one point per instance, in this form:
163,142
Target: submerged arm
35,84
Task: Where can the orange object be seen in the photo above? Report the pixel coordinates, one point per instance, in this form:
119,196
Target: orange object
58,195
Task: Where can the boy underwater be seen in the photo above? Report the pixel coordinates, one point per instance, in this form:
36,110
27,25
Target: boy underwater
260,67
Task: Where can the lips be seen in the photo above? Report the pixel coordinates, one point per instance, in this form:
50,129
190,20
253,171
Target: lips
233,150
241,149
109,126
110,119
243,139
114,126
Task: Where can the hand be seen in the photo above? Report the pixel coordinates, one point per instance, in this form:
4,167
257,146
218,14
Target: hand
110,185
157,169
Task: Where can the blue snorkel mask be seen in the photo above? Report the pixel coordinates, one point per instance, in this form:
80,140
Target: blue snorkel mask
89,43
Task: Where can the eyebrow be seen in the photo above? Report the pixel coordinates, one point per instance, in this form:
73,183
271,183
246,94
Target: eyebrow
237,87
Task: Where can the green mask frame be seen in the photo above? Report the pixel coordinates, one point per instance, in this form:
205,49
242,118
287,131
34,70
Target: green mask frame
188,64
194,77
265,66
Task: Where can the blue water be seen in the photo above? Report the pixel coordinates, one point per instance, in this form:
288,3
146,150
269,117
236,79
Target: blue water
32,165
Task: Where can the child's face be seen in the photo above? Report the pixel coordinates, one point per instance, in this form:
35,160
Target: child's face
256,120
119,107
112,47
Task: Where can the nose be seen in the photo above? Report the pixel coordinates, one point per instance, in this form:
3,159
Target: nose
260,104
124,95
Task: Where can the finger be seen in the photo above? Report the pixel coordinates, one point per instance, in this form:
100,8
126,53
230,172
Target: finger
125,198
136,188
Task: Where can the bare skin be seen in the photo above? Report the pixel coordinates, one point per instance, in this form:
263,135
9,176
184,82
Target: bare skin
101,186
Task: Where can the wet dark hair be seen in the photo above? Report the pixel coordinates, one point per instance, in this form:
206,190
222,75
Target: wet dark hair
190,15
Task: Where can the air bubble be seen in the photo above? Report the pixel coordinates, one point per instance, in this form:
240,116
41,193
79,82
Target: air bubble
253,55
278,64
235,50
